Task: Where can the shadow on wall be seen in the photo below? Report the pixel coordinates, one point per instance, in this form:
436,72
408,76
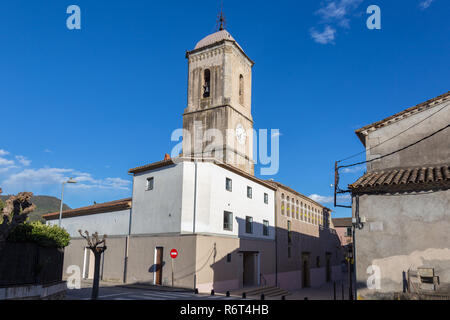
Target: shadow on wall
228,263
303,260
156,267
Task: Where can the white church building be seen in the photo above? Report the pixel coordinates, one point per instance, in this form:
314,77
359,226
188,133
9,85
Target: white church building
208,205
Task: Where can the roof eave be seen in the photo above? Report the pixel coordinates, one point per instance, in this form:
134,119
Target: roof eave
188,53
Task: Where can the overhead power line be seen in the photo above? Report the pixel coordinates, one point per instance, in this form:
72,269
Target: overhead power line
393,137
398,150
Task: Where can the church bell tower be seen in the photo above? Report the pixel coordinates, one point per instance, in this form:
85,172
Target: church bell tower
217,120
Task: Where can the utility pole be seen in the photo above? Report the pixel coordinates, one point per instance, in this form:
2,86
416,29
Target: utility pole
350,264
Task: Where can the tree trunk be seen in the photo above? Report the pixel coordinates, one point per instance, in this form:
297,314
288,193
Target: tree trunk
97,256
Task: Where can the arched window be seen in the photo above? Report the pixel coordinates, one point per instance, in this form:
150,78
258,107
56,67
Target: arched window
288,208
207,83
241,89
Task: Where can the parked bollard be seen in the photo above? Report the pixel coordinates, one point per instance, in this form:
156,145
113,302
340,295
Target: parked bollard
212,292
228,293
262,296
244,295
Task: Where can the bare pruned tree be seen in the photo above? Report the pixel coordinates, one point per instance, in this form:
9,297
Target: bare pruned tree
15,212
97,246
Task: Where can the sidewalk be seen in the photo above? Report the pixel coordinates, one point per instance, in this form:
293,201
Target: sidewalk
324,292
144,286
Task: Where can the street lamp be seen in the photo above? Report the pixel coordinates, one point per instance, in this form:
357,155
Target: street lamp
62,197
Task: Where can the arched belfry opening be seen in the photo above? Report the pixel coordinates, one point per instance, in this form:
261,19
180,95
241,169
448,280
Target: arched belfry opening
241,89
207,83
219,98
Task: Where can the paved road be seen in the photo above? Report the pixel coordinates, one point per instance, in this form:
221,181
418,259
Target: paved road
122,293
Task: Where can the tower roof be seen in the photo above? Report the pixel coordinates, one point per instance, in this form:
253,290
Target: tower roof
215,37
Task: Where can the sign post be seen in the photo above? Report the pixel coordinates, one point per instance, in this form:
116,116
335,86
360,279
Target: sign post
173,255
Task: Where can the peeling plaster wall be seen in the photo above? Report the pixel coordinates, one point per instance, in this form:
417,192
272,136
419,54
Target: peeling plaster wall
403,231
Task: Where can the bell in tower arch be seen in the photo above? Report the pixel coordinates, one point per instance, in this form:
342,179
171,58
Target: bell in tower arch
207,85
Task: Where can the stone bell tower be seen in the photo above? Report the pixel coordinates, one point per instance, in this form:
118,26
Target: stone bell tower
219,102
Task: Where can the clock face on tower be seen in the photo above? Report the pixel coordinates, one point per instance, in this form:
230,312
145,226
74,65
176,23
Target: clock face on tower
240,134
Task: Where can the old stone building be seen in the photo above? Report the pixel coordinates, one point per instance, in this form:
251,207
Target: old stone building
343,227
219,100
401,205
307,247
206,202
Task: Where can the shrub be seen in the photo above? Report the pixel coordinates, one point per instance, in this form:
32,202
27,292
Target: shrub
41,234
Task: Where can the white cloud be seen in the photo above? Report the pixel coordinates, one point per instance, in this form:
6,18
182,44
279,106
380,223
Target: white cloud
38,180
425,4
48,151
328,199
24,161
6,162
326,36
353,169
3,152
6,169
334,13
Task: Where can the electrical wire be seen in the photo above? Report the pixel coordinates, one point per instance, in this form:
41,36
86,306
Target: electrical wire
398,150
417,123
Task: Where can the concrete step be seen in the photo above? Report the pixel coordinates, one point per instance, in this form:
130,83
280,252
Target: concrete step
271,291
279,292
258,290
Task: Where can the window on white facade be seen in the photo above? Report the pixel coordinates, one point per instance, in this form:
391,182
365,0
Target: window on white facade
248,224
249,192
150,182
228,184
266,198
265,228
227,221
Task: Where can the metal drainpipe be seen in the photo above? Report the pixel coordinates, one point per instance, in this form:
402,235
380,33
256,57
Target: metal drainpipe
127,239
276,241
195,196
354,245
194,216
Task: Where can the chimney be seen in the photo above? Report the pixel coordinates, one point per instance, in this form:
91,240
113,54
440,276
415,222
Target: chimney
166,157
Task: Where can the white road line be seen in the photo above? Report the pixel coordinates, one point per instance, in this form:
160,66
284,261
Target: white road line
166,295
141,297
115,294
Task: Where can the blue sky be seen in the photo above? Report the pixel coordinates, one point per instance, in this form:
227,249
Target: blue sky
94,102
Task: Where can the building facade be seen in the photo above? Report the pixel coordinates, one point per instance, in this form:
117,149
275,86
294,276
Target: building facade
343,227
228,226
308,249
401,205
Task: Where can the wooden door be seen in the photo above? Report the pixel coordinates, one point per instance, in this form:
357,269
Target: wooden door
158,265
328,266
305,270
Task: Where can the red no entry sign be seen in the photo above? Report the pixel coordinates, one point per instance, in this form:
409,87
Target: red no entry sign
173,253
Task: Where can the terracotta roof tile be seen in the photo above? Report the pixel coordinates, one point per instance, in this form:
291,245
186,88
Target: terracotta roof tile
412,179
111,206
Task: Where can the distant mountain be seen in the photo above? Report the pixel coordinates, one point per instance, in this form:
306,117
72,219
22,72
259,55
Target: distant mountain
44,204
